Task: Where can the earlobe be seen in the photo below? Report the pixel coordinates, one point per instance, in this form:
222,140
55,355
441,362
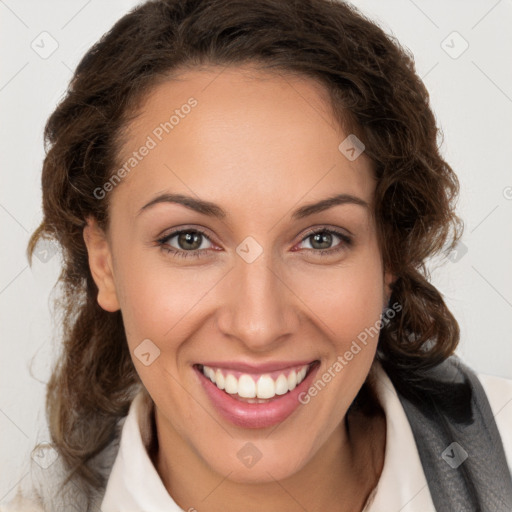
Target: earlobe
100,264
389,279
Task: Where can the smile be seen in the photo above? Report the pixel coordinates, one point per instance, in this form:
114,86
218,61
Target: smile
255,398
254,386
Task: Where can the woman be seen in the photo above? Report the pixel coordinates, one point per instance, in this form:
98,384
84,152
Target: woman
246,193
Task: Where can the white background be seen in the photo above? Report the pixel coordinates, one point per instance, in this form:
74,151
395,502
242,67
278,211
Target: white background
471,96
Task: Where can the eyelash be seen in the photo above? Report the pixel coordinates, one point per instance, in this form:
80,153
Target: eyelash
163,242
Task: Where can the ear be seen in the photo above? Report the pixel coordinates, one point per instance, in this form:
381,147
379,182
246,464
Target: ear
389,279
100,263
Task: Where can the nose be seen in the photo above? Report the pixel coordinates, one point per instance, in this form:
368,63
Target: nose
260,310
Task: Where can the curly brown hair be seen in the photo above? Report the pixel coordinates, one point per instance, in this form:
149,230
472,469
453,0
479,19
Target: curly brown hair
373,88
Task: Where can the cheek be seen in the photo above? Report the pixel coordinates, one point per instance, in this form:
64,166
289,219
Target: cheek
156,297
348,302
345,299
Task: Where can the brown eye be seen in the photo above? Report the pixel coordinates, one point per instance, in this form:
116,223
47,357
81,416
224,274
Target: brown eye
189,242
321,241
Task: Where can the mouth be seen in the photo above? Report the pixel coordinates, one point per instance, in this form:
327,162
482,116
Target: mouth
252,398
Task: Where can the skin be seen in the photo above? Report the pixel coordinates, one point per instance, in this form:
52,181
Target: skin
259,145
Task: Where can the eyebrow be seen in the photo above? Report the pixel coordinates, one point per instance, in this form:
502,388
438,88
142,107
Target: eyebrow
214,210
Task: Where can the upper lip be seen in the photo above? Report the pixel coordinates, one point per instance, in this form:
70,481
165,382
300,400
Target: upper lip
271,366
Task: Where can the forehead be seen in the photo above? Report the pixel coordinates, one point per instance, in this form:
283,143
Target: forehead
222,132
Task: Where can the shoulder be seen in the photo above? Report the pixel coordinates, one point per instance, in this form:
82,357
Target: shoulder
36,490
499,394
22,504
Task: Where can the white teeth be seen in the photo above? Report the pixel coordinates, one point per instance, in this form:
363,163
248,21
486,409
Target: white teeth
281,385
231,384
292,380
219,379
246,387
266,387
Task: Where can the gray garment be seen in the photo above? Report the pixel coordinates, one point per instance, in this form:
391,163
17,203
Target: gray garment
457,438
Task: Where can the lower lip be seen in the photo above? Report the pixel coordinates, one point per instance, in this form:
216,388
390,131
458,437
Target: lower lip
261,415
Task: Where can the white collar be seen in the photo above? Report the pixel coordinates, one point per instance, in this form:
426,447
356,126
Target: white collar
402,485
135,486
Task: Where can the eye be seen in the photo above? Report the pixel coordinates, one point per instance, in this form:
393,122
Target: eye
322,239
189,243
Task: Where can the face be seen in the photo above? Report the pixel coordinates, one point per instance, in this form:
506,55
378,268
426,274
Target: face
253,288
